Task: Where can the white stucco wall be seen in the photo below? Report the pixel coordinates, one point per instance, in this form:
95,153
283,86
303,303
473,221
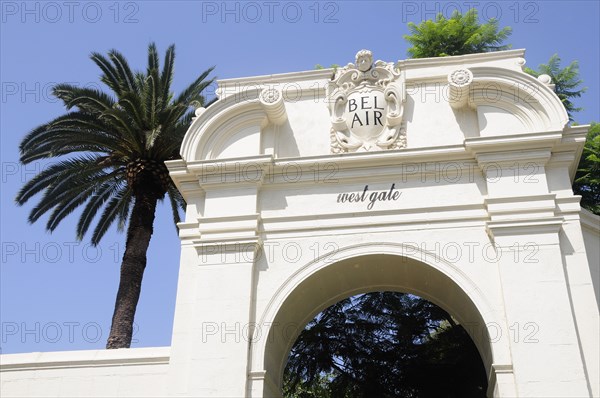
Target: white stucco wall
134,372
591,237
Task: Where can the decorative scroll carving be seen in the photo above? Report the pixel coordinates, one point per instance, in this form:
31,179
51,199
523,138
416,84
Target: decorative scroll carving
366,106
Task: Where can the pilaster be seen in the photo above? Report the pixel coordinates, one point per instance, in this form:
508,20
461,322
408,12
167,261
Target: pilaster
523,221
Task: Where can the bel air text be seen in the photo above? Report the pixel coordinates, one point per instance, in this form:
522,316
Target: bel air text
365,105
372,197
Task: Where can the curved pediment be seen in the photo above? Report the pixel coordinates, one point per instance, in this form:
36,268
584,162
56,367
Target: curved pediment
375,106
502,97
227,122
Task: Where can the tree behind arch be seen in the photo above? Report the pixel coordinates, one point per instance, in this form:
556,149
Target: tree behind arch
384,344
566,81
460,34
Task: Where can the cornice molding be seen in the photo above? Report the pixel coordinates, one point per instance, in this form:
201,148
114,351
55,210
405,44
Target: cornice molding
524,226
514,142
412,63
85,359
590,221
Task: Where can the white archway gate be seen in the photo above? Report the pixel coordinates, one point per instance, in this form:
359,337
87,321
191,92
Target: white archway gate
448,178
324,282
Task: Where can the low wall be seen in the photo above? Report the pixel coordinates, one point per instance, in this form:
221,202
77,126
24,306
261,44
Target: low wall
108,373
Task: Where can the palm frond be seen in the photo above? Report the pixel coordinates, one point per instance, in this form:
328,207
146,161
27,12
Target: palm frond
150,100
86,99
70,185
69,203
123,123
194,89
103,193
152,59
109,74
177,203
119,201
75,129
124,73
166,77
132,105
106,139
56,173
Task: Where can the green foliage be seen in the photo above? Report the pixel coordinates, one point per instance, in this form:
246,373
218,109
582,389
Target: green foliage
566,81
384,344
587,179
106,139
332,66
567,85
460,34
317,388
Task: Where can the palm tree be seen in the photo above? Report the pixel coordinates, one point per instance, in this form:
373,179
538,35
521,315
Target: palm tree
110,151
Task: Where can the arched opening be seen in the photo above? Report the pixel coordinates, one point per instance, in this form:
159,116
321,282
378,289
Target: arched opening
384,344
321,285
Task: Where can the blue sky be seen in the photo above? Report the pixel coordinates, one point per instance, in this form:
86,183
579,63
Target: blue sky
58,294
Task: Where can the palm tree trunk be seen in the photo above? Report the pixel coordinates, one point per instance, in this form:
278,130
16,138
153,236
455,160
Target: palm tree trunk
139,233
